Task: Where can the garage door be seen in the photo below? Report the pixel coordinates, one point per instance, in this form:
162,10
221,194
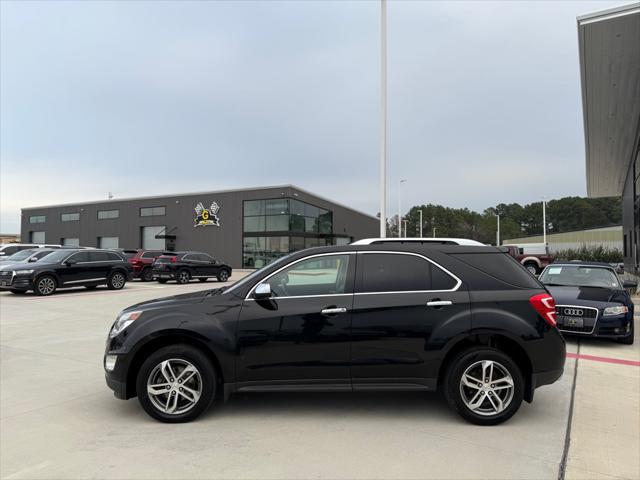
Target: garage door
149,240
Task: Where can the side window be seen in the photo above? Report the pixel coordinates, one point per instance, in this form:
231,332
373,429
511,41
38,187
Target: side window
10,251
114,257
39,255
441,280
150,254
389,272
323,275
80,257
98,256
207,258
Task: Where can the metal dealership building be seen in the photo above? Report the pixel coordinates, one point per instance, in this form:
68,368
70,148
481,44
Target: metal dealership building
609,42
244,227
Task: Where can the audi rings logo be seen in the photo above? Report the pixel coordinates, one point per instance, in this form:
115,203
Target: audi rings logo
576,312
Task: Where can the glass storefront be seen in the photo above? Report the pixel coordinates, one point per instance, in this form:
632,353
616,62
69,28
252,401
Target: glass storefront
276,227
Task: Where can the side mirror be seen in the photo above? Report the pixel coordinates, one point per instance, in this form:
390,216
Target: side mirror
33,259
629,284
262,291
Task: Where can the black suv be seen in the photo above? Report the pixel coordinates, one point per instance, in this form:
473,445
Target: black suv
67,268
183,266
468,320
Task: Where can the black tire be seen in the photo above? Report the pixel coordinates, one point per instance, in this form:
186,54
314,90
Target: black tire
468,360
18,292
178,353
45,285
146,275
162,280
183,276
532,267
116,281
203,279
91,287
628,340
223,275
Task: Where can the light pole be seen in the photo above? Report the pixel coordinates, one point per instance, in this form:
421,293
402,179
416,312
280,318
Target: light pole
405,228
544,222
383,118
498,231
400,208
420,222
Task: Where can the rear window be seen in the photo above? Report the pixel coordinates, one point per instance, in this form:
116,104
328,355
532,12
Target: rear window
501,266
164,259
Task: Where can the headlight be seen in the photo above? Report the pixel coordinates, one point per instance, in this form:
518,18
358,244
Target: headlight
23,272
617,310
123,321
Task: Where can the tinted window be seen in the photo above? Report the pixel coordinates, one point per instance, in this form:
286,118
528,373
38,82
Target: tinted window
21,255
441,280
98,256
501,266
80,257
39,255
114,257
10,250
315,276
386,272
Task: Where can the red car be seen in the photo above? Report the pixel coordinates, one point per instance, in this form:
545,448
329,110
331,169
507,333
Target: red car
142,261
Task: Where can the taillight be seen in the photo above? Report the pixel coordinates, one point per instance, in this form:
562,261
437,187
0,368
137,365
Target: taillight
174,259
545,305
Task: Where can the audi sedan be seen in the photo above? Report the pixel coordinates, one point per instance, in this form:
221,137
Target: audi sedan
591,300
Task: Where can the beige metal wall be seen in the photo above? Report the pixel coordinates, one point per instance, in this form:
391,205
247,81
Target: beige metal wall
609,237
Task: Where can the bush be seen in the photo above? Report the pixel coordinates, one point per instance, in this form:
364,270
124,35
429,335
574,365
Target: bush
591,254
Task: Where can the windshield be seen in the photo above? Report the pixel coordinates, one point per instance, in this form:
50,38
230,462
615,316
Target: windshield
580,276
21,255
252,276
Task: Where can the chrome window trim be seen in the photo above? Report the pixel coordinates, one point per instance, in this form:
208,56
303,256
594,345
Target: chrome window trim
595,321
454,289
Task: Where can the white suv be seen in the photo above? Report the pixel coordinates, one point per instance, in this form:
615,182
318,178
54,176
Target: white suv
7,249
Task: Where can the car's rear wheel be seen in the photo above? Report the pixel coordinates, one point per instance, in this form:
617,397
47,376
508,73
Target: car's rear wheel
116,281
176,384
45,285
223,275
146,275
532,267
484,385
183,277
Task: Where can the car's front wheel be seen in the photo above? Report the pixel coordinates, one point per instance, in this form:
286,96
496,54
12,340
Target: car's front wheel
484,385
45,285
176,384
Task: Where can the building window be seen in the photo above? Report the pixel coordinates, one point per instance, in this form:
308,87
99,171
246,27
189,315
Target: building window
70,242
108,214
152,211
148,238
37,219
36,237
108,242
69,217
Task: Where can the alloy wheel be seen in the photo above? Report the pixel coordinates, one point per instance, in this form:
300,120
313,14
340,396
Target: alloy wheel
117,280
174,386
224,276
183,277
486,388
46,286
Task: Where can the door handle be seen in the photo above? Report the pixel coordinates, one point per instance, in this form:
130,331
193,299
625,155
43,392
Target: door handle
439,303
333,310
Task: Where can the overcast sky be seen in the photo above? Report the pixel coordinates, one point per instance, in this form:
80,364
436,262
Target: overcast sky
147,98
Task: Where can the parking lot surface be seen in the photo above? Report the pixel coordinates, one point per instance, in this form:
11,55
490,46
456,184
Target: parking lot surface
59,419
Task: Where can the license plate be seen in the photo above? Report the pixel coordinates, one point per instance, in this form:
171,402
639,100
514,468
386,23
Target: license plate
573,322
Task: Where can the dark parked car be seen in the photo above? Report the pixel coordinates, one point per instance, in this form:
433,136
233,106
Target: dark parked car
183,266
591,300
468,320
142,262
67,268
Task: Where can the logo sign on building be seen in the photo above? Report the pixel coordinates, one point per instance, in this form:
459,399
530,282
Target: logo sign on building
206,216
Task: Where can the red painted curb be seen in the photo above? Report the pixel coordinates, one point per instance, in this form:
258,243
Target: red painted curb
618,361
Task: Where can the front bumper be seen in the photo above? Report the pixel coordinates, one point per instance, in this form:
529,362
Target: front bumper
17,283
613,326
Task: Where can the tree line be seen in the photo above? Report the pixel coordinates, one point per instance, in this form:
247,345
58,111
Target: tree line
563,215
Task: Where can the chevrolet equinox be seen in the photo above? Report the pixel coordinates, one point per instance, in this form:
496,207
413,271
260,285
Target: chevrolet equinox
468,320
